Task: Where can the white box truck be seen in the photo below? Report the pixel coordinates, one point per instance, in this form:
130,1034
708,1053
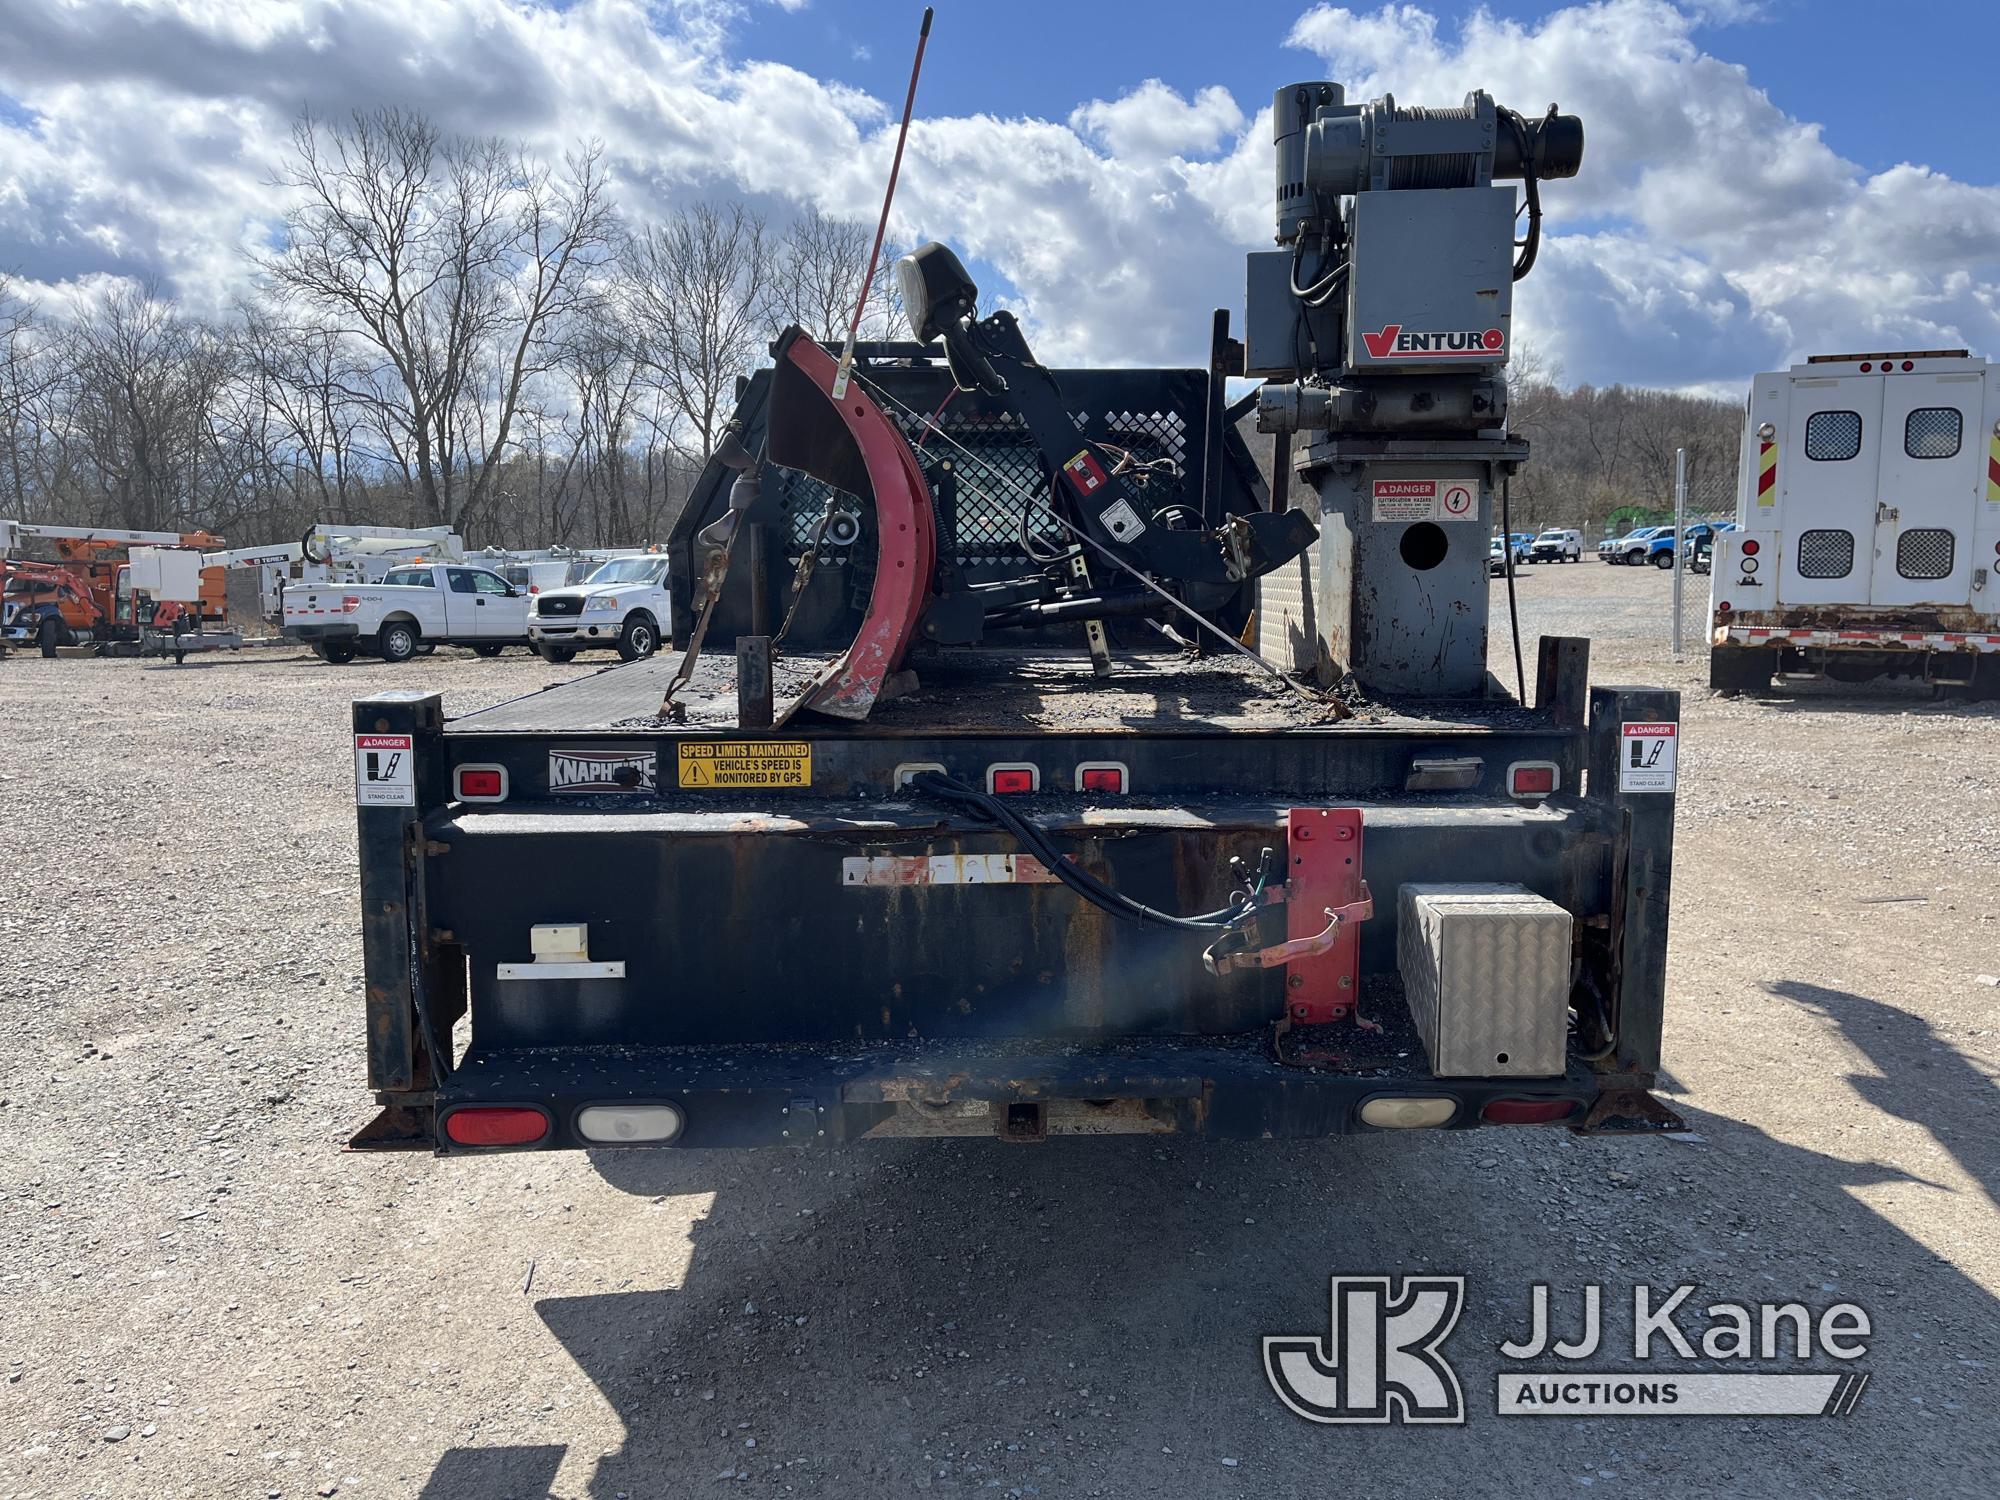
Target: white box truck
1868,501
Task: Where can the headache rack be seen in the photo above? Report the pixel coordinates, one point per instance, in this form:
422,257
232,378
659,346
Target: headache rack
979,461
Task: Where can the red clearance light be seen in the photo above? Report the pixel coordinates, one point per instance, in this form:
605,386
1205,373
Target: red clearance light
497,1125
1908,366
1866,367
1531,779
1527,1111
480,784
1722,606
1104,779
1009,783
1751,547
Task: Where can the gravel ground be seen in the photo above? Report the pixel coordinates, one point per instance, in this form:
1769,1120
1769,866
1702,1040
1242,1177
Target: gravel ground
204,1297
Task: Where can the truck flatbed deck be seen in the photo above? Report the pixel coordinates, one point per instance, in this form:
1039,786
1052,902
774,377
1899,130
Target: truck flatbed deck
991,691
799,936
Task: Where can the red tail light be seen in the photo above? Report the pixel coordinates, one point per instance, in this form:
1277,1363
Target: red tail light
497,1125
1750,547
481,783
1012,780
1101,776
350,603
1527,1111
1532,778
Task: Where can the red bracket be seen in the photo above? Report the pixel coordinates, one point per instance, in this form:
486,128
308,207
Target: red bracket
1322,878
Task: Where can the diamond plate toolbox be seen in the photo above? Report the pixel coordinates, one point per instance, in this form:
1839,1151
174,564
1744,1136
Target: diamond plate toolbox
1486,972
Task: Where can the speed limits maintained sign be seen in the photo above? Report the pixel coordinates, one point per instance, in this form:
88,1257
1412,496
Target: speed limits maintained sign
722,765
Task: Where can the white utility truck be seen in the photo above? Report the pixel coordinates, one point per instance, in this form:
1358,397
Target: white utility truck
410,608
1868,497
623,606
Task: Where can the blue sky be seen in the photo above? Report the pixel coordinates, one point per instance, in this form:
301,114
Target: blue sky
1764,179
1884,93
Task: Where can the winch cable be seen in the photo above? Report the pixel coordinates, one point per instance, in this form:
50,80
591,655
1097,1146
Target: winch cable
990,809
1031,499
1513,613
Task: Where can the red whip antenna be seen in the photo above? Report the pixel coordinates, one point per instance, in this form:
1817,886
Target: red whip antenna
882,224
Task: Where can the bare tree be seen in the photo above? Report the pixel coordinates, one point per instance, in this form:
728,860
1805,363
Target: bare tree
449,261
28,368
695,297
143,380
815,278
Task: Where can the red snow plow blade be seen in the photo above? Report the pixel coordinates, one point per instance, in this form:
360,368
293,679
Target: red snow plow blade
852,445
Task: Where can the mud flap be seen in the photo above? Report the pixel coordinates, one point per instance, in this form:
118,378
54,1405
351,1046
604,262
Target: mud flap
852,445
1629,1112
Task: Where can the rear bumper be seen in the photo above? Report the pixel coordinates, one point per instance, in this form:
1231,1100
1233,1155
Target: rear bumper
1880,639
833,1094
310,633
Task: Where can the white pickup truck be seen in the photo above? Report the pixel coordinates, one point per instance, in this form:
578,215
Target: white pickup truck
413,607
624,606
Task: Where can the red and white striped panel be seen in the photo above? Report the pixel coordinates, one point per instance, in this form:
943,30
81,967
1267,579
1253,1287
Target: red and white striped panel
1873,640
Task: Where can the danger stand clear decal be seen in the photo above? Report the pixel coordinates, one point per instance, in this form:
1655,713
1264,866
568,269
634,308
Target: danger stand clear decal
1646,757
385,770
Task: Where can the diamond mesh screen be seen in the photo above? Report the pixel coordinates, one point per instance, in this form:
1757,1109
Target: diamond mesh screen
1933,432
996,472
1826,554
1924,552
1833,435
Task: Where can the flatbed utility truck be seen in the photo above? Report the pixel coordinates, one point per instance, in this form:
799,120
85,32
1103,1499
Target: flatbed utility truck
942,884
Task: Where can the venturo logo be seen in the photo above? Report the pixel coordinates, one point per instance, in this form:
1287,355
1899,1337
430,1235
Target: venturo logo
1465,343
1379,1362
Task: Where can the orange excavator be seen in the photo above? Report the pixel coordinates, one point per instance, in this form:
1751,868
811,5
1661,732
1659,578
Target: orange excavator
87,596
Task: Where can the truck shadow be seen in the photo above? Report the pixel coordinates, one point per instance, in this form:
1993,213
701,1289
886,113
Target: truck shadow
1085,1316
1920,1077
1869,700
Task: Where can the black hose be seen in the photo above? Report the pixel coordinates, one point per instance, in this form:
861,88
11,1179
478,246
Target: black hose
1513,613
990,809
1525,261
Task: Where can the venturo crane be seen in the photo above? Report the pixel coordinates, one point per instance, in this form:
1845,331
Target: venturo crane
1382,328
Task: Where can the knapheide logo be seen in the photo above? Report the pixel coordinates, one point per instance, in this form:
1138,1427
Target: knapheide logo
1462,343
1379,1362
603,771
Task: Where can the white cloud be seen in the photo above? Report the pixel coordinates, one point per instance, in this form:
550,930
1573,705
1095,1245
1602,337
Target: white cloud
1153,122
1739,237
1709,235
